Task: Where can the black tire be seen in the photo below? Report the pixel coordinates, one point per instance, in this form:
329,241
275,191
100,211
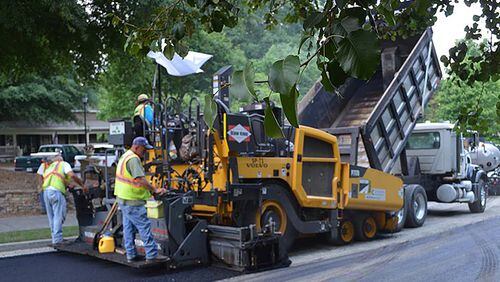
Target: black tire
365,228
415,205
481,195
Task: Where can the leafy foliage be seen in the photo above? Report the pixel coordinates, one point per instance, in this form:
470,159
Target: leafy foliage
243,81
489,58
475,105
210,111
85,40
49,49
40,100
342,36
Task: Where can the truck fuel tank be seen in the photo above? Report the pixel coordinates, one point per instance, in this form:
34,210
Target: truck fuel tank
449,193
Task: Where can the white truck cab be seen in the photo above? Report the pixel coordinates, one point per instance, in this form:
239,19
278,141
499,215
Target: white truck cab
440,149
440,161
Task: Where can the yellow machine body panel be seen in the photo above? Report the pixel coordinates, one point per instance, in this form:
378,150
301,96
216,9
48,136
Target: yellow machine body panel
265,168
315,175
316,168
374,190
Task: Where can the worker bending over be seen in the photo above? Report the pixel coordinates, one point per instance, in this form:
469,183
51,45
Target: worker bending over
143,115
131,191
56,177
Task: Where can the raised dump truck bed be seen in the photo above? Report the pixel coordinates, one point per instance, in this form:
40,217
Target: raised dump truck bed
373,119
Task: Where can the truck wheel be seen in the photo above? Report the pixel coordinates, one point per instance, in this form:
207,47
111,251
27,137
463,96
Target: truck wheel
415,205
365,228
343,235
479,205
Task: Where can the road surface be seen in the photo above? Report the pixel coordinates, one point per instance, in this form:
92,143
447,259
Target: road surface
453,245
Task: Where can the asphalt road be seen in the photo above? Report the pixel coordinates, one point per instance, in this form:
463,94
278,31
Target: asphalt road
453,245
468,253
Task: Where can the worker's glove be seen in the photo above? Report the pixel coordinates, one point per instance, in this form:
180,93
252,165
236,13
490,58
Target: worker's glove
160,191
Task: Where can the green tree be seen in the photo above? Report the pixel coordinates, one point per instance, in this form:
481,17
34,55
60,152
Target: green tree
342,36
125,77
474,105
46,42
41,100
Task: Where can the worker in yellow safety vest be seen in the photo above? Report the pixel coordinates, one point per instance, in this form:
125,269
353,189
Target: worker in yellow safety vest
131,191
143,113
56,177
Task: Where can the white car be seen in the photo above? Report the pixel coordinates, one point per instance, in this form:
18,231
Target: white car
99,156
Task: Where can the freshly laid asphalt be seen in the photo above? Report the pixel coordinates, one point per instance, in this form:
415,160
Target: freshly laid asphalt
71,267
468,253
453,245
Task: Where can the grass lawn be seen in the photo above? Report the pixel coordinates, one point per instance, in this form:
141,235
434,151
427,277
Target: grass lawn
35,234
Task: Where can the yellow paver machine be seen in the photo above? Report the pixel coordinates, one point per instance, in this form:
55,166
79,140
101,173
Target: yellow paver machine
240,198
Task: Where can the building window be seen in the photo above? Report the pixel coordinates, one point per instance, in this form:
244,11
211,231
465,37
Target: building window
81,139
46,139
6,140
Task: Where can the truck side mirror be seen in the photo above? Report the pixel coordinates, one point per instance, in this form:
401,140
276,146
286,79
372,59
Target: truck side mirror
475,140
435,145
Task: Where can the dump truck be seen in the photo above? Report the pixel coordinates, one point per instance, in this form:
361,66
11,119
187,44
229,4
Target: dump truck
240,198
447,165
376,124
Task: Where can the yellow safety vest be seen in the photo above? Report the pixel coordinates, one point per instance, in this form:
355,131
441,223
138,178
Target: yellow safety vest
139,111
54,176
126,187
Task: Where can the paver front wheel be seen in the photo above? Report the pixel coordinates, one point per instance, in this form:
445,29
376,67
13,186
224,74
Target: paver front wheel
365,228
343,235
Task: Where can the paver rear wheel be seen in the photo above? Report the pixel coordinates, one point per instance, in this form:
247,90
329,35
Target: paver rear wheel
365,228
416,205
343,235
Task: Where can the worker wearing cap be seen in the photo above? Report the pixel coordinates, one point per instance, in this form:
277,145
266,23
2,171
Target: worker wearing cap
145,112
131,191
56,177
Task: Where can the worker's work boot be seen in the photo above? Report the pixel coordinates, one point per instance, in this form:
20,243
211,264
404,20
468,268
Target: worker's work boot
134,259
158,258
60,244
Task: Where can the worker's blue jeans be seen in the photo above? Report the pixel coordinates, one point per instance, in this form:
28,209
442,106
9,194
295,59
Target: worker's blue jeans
135,219
55,204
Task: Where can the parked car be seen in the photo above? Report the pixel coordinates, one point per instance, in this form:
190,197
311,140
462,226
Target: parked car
32,162
99,156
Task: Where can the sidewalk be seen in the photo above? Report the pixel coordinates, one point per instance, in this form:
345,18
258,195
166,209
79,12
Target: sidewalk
17,223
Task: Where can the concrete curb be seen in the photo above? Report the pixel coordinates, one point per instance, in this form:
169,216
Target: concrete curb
27,245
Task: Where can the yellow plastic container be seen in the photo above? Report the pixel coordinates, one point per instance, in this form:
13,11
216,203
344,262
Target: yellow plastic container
106,244
155,209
